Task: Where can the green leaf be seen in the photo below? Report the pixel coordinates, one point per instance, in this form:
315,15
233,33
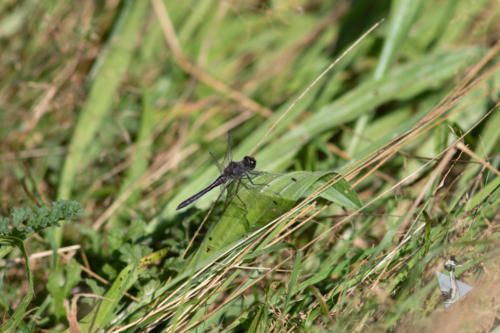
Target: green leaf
293,281
340,192
268,202
259,322
489,138
140,154
403,14
102,312
490,191
26,220
61,281
111,68
401,83
15,320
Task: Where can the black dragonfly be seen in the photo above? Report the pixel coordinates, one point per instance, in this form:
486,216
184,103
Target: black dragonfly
233,173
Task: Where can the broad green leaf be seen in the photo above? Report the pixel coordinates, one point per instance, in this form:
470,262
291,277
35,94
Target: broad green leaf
264,203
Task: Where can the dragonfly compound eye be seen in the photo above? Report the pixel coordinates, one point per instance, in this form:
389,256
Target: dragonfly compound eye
249,162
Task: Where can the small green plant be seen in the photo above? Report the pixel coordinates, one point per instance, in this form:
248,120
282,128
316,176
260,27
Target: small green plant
22,222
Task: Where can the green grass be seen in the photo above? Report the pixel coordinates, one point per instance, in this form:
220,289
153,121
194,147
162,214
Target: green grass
392,138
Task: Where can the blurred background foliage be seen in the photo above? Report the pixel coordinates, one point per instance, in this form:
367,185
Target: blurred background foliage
116,104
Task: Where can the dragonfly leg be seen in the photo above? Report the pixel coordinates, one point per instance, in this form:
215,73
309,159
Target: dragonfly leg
229,198
236,193
255,184
263,184
226,199
244,185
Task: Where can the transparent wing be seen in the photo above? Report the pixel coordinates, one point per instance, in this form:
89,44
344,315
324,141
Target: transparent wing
252,190
228,157
219,166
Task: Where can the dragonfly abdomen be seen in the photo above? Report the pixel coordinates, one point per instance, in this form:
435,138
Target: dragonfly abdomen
219,181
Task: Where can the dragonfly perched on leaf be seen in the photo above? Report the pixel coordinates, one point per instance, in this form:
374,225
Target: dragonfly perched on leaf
254,198
233,176
234,172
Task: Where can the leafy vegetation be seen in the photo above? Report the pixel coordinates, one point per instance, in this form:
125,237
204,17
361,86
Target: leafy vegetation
376,123
26,221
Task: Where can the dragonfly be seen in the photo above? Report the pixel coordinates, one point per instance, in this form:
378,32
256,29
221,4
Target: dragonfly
233,173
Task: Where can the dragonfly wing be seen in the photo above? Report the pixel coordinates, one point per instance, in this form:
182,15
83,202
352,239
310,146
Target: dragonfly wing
219,166
228,189
229,155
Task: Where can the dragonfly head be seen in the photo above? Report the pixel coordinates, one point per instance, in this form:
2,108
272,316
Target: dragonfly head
249,162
